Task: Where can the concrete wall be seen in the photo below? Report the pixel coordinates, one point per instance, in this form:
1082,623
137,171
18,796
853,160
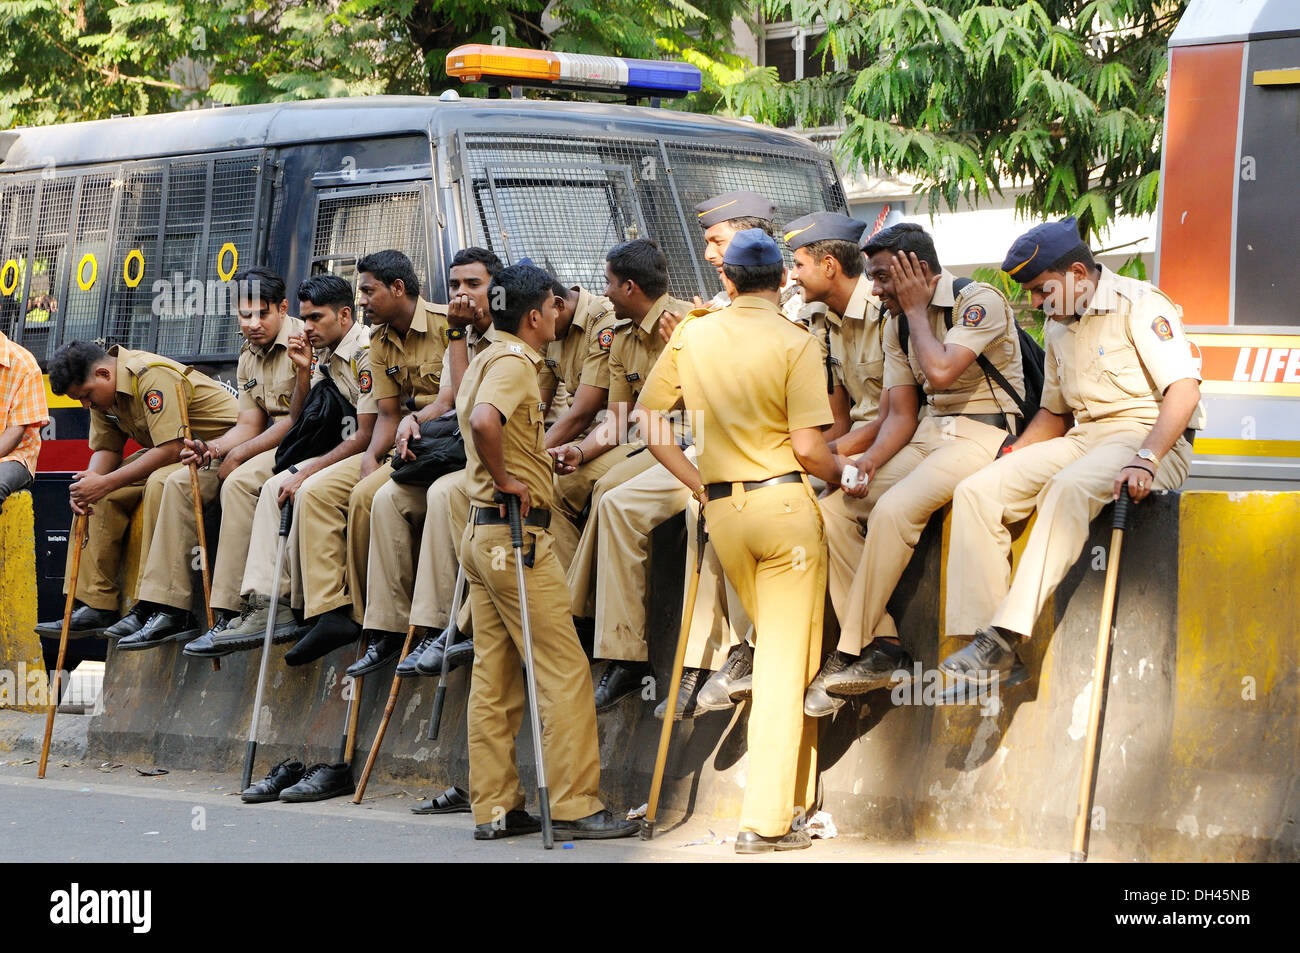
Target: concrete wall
1200,755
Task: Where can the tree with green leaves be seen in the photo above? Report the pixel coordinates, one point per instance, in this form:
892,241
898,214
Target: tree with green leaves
1063,97
64,61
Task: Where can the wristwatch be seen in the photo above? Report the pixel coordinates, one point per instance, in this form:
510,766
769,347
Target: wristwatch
1149,457
455,334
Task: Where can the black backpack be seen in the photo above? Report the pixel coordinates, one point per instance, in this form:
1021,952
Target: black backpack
440,449
1031,360
319,428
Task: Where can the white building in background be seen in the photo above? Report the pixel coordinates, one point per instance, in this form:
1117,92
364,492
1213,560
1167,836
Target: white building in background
966,239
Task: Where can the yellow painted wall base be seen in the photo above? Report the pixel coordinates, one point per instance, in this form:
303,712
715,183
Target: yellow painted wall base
20,648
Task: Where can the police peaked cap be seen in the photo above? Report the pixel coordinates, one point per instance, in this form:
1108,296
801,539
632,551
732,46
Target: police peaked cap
823,226
1034,252
729,205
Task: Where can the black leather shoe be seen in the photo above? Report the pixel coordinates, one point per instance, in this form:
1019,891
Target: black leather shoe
992,655
165,625
84,621
321,782
383,646
748,842
687,697
880,665
816,702
599,826
132,622
619,680
716,695
462,653
430,660
203,647
283,775
406,667
332,630
515,823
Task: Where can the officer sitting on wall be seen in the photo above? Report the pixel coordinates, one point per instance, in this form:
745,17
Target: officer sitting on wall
1120,406
130,395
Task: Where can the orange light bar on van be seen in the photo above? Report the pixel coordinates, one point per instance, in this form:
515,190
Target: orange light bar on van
476,60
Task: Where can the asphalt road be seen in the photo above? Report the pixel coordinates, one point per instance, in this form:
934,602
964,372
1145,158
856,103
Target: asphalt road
89,814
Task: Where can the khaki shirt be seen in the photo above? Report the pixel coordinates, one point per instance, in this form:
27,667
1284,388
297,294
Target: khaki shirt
857,347
636,347
410,368
982,321
582,355
773,384
1117,360
475,344
349,368
505,376
266,375
145,409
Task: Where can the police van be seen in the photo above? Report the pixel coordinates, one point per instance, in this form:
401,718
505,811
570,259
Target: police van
129,229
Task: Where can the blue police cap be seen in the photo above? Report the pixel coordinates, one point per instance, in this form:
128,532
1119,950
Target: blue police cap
753,246
823,226
731,205
1034,251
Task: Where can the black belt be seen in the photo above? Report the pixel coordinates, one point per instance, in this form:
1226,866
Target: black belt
719,491
491,516
993,420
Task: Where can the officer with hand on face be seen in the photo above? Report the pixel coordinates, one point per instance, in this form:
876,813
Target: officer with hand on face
1120,407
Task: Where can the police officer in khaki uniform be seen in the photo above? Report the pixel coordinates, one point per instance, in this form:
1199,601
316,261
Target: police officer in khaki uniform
247,454
577,363
912,467
1121,404
131,395
636,284
342,355
412,526
407,342
759,428
499,405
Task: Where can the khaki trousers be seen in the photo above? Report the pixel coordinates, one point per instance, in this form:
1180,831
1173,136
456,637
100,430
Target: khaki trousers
239,495
712,634
446,513
171,562
771,543
397,518
573,499
106,530
942,453
1068,480
497,687
581,573
263,538
333,513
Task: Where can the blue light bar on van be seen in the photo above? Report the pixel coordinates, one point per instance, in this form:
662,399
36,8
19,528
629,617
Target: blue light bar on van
476,62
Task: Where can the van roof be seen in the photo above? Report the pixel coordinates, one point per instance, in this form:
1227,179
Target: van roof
281,124
1215,21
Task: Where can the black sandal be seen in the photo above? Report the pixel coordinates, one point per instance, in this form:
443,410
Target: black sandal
454,800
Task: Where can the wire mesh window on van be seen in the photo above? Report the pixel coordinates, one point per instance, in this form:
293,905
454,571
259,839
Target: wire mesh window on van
81,307
352,223
554,195
128,314
16,206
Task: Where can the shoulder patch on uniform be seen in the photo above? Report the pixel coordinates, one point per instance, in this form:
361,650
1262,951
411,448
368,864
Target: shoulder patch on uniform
605,339
364,382
972,316
154,401
1162,329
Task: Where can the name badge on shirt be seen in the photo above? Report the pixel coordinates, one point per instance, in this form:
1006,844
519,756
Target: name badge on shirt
251,384
633,378
392,371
